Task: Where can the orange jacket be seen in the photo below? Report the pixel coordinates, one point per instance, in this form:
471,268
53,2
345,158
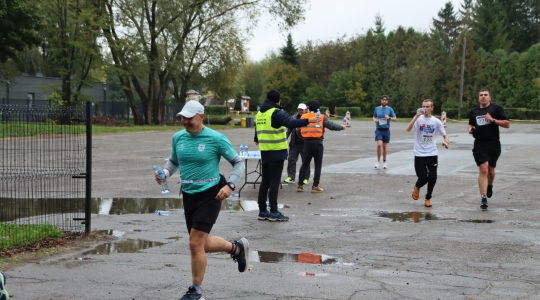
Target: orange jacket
311,131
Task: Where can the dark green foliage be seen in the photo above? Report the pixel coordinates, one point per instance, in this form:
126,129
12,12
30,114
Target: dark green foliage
216,110
447,25
288,53
355,111
19,26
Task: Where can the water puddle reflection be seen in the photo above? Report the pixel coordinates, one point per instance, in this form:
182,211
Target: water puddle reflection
306,258
124,246
478,221
122,206
416,217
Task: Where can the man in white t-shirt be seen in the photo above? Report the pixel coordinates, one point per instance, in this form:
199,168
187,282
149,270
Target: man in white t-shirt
426,127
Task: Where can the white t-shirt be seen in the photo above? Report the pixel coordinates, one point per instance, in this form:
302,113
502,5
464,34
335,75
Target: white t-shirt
425,130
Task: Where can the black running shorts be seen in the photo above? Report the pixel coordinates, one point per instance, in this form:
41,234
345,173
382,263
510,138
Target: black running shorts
486,152
202,209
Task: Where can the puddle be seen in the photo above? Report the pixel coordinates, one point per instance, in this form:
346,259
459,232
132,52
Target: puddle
416,217
478,221
306,258
125,246
122,206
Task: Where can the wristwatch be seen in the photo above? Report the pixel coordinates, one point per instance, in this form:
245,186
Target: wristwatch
231,185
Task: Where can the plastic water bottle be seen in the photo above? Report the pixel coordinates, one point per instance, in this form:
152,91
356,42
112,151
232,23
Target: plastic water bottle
162,212
318,116
241,150
246,152
230,204
164,185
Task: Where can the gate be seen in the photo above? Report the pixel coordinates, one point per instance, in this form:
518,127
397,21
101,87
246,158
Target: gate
45,172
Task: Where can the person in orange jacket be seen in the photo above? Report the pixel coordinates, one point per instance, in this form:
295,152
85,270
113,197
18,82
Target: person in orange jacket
313,135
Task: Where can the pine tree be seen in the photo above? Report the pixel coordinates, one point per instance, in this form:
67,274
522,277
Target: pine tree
466,13
448,26
490,26
379,25
288,53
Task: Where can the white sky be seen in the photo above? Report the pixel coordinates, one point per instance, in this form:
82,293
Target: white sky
327,19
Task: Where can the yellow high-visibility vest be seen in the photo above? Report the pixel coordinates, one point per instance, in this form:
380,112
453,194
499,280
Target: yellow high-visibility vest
270,138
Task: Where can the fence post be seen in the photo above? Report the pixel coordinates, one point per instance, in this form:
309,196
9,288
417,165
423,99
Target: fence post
88,192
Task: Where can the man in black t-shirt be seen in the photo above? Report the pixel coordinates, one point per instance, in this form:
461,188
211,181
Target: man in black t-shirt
484,122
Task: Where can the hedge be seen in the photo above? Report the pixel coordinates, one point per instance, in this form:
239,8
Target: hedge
216,110
355,111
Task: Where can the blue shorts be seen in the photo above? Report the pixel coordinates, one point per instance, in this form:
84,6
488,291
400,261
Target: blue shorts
383,135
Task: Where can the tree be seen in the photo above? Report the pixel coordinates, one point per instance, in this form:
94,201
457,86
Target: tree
288,81
491,26
447,25
169,41
466,13
20,24
379,25
70,45
346,88
288,53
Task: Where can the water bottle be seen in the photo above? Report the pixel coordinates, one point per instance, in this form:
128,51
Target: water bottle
164,185
162,212
230,204
246,152
318,116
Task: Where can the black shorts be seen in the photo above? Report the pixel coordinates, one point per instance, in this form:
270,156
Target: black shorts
202,209
486,152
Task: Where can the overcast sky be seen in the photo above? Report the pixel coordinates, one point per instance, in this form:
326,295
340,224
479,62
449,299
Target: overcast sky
328,19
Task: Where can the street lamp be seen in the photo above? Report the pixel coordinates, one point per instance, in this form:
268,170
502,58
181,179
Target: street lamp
104,96
462,73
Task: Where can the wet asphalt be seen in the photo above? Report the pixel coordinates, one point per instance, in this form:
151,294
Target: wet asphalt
363,238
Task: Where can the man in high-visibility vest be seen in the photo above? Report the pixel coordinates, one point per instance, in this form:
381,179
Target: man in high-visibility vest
271,136
313,135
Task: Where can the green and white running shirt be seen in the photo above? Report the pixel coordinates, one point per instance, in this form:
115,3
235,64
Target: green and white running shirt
198,156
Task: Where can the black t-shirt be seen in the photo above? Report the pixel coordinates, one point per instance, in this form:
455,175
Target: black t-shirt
486,131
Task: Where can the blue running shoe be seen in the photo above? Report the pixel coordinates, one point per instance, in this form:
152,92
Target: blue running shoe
243,256
264,215
192,294
278,217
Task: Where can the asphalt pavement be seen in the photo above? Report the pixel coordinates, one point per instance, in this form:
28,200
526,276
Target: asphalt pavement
363,238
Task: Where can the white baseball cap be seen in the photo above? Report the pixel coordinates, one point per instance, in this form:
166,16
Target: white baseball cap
302,106
192,108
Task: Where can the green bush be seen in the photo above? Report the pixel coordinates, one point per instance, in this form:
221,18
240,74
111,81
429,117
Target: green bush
216,110
355,111
522,113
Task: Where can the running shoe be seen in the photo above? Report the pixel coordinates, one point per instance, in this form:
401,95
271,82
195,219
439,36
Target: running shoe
306,181
263,215
288,180
316,189
278,217
416,193
384,166
378,165
192,294
484,204
242,257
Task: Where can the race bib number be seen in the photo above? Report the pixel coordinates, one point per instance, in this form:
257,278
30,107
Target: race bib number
382,121
427,139
481,120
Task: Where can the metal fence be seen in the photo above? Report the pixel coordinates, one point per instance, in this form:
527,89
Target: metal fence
45,171
118,110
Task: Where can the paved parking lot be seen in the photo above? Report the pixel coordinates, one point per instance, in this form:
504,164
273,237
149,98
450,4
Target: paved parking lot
365,237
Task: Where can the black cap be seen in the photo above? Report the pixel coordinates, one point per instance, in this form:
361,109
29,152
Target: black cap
273,96
313,105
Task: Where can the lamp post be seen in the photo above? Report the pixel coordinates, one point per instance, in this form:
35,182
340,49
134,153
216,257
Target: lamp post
462,74
104,97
